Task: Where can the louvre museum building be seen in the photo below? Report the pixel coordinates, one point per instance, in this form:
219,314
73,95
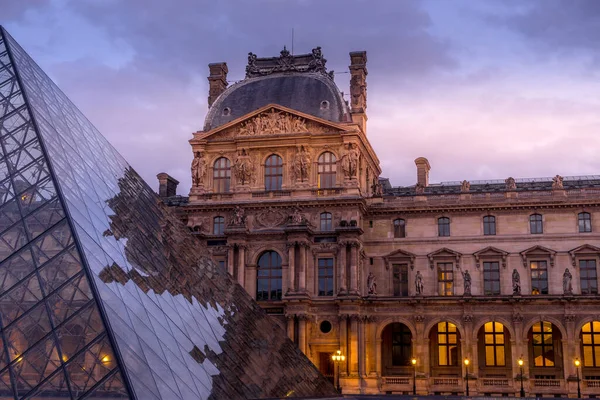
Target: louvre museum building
431,287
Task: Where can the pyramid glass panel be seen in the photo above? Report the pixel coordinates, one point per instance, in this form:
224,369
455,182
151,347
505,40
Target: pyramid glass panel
104,293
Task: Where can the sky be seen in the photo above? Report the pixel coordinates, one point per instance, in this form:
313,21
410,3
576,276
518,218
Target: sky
484,89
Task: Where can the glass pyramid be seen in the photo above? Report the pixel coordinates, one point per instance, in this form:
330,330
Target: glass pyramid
104,294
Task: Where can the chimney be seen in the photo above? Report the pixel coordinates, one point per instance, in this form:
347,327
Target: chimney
217,81
423,168
358,88
167,185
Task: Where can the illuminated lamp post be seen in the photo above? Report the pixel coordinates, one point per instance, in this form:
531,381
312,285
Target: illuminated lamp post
520,361
337,358
414,364
577,365
467,374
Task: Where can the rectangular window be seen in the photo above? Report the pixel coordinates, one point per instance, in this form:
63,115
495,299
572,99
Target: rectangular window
447,344
536,224
539,277
444,226
491,278
589,277
325,276
400,277
489,225
445,279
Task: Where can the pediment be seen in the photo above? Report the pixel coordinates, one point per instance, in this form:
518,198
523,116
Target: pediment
271,120
583,250
443,253
399,255
538,251
490,251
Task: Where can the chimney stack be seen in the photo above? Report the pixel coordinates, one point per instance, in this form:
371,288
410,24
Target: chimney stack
167,185
217,81
423,168
358,88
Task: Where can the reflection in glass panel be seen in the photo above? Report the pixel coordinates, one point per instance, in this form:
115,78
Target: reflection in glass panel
590,340
542,334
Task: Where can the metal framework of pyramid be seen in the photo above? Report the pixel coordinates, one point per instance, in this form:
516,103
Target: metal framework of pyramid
104,294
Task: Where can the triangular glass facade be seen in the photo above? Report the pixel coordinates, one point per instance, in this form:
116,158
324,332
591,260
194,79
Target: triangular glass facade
103,293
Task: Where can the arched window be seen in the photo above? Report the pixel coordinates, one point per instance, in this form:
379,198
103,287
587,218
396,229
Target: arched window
268,277
447,344
585,222
443,226
326,222
489,225
399,228
273,172
535,223
495,354
542,344
218,225
221,175
590,342
396,349
326,170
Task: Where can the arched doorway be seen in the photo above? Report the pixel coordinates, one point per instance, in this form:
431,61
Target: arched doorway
545,351
396,350
493,350
445,350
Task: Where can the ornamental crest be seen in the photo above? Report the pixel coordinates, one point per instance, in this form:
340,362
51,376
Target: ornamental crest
270,218
273,122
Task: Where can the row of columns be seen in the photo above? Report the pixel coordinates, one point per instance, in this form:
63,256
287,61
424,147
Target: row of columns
348,269
237,264
297,248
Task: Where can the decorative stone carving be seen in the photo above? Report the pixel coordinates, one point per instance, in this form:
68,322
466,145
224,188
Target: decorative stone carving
269,218
301,165
465,186
517,318
377,188
272,122
371,283
567,278
557,183
419,189
243,167
286,62
325,247
199,224
467,282
358,91
516,282
419,283
198,169
297,218
419,318
467,318
238,217
510,183
570,318
350,160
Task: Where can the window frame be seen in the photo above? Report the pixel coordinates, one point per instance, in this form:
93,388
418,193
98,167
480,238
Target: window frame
270,277
587,222
443,222
273,173
326,222
451,337
328,279
494,345
442,269
537,223
219,221
399,284
327,170
401,348
587,278
489,225
594,344
399,225
489,280
538,279
545,348
222,175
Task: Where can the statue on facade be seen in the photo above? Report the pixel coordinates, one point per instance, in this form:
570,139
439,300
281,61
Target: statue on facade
296,217
419,189
301,164
467,283
419,283
243,167
350,160
567,278
317,64
465,186
510,183
198,169
516,282
371,283
557,183
376,188
358,92
239,216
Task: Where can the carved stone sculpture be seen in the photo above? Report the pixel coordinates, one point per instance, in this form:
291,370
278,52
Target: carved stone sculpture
301,164
377,188
269,218
467,283
465,186
419,283
243,167
296,218
419,189
358,91
567,278
510,183
516,282
371,283
273,122
557,183
350,161
238,217
198,169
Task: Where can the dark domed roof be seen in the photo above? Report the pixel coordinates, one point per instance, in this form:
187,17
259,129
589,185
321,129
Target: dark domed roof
298,82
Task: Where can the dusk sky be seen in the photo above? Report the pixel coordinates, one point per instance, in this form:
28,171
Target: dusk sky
483,89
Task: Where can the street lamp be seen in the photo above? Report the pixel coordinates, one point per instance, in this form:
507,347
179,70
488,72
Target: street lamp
520,361
414,364
577,364
467,374
337,358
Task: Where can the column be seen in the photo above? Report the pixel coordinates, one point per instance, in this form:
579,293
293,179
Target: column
353,267
342,268
230,260
302,333
353,345
344,343
302,267
378,344
362,348
291,268
290,327
241,267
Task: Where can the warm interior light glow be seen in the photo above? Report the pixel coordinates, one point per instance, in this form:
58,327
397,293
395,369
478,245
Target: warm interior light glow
577,362
413,361
466,361
520,362
20,358
65,358
105,359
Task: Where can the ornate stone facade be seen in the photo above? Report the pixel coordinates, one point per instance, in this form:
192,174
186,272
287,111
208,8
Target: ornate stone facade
344,261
